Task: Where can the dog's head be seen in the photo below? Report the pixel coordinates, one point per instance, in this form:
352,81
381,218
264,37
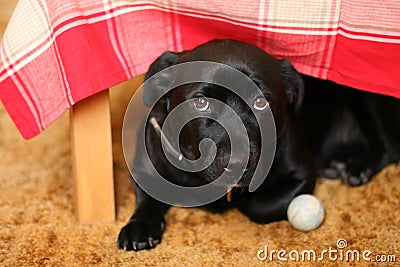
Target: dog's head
281,90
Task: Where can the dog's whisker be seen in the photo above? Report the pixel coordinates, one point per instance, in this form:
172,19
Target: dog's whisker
230,170
227,170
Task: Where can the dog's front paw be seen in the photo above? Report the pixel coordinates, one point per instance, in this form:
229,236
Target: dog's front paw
357,180
140,234
350,174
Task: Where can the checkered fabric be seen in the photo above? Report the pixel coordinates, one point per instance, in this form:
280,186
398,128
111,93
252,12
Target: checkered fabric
55,53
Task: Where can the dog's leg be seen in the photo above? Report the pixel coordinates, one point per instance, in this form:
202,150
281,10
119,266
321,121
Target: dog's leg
376,117
271,201
146,226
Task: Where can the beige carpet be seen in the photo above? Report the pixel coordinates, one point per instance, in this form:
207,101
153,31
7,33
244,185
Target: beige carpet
38,226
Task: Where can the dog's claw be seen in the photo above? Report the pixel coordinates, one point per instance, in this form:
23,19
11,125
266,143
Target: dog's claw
150,241
354,180
140,245
329,173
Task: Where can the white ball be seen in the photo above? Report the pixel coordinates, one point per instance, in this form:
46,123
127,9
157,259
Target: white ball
305,213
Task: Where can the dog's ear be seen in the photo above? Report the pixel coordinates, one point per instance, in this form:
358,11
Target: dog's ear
293,83
157,86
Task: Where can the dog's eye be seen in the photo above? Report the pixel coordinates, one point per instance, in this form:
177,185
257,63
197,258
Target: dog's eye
202,104
260,103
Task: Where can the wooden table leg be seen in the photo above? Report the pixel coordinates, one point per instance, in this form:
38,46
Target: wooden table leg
92,159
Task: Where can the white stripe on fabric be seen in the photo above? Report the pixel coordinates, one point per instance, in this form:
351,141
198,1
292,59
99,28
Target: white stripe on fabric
67,93
261,21
32,109
369,38
108,6
178,36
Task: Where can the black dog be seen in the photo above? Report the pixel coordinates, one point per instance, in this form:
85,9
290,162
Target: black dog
292,172
352,133
348,142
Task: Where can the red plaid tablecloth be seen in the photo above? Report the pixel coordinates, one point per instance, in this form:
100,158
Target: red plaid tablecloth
55,53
